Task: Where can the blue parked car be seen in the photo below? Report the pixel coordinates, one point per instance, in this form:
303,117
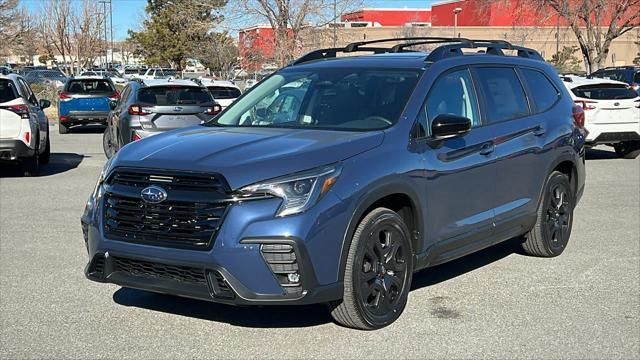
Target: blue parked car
336,178
85,100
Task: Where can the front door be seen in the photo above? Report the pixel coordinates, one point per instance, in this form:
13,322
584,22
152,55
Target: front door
460,171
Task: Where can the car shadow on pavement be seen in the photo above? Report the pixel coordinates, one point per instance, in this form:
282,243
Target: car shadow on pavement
290,316
437,274
599,154
277,316
59,163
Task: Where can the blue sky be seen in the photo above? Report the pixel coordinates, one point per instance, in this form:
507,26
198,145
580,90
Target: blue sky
127,14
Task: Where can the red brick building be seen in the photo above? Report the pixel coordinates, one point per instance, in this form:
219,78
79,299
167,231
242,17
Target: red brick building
389,17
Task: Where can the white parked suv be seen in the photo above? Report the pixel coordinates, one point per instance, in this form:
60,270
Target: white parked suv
158,73
612,113
223,92
24,128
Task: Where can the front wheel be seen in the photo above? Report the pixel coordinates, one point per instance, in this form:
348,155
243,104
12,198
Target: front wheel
107,144
377,274
46,155
552,230
627,149
31,166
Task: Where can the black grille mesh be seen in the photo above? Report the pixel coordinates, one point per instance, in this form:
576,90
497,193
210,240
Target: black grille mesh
148,269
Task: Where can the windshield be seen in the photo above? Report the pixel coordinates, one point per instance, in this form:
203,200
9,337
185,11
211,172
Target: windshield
90,87
224,92
337,99
605,92
7,91
174,95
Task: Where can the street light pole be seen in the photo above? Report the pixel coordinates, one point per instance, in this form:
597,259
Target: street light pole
106,35
456,11
111,25
335,23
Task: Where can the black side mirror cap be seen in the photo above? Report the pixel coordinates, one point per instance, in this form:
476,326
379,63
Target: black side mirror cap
448,125
44,103
113,104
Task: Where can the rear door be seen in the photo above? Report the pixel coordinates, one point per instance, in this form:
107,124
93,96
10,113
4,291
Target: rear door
608,103
172,107
87,95
37,113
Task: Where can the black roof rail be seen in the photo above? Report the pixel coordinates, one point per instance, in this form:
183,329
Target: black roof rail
452,47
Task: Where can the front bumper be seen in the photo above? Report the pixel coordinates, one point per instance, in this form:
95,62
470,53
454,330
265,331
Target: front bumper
236,261
13,150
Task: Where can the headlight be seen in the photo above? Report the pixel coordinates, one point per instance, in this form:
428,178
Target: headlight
101,178
299,191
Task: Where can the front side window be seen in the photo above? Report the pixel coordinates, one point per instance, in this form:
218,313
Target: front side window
453,94
542,91
339,99
503,94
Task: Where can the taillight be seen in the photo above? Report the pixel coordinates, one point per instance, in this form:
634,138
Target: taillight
64,118
22,110
64,96
135,136
137,110
587,104
115,96
578,116
27,137
213,110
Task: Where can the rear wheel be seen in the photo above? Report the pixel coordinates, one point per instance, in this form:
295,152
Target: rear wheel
107,144
62,128
627,149
378,273
552,230
31,166
46,155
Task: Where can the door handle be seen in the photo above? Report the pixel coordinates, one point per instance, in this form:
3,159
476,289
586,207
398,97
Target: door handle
539,131
487,148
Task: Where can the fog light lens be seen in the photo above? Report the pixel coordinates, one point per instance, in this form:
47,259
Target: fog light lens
293,278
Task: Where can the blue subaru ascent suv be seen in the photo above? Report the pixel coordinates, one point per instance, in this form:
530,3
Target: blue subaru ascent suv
337,177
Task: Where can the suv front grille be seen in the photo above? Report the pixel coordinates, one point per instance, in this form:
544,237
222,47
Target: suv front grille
188,219
148,269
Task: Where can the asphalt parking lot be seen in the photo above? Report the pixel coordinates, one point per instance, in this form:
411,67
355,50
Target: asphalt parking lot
494,304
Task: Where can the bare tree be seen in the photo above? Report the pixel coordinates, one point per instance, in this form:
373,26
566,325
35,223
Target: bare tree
595,23
288,18
85,33
56,28
15,29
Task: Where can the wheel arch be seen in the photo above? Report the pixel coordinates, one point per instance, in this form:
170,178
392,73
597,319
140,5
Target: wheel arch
566,165
395,196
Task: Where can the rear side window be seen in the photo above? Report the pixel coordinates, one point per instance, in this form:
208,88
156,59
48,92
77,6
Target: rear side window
8,91
541,90
604,92
87,86
173,95
503,94
224,92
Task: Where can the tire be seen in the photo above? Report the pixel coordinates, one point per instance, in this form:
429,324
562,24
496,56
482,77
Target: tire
550,235
31,166
107,144
46,155
376,291
627,149
62,129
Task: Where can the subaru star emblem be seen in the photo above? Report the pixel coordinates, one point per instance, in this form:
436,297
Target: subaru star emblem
153,194
177,108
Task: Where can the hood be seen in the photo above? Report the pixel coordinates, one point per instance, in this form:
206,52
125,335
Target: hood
246,155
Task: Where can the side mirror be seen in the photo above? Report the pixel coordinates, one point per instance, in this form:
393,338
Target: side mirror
44,103
447,125
113,104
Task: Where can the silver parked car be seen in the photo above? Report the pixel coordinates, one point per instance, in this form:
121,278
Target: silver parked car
150,107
